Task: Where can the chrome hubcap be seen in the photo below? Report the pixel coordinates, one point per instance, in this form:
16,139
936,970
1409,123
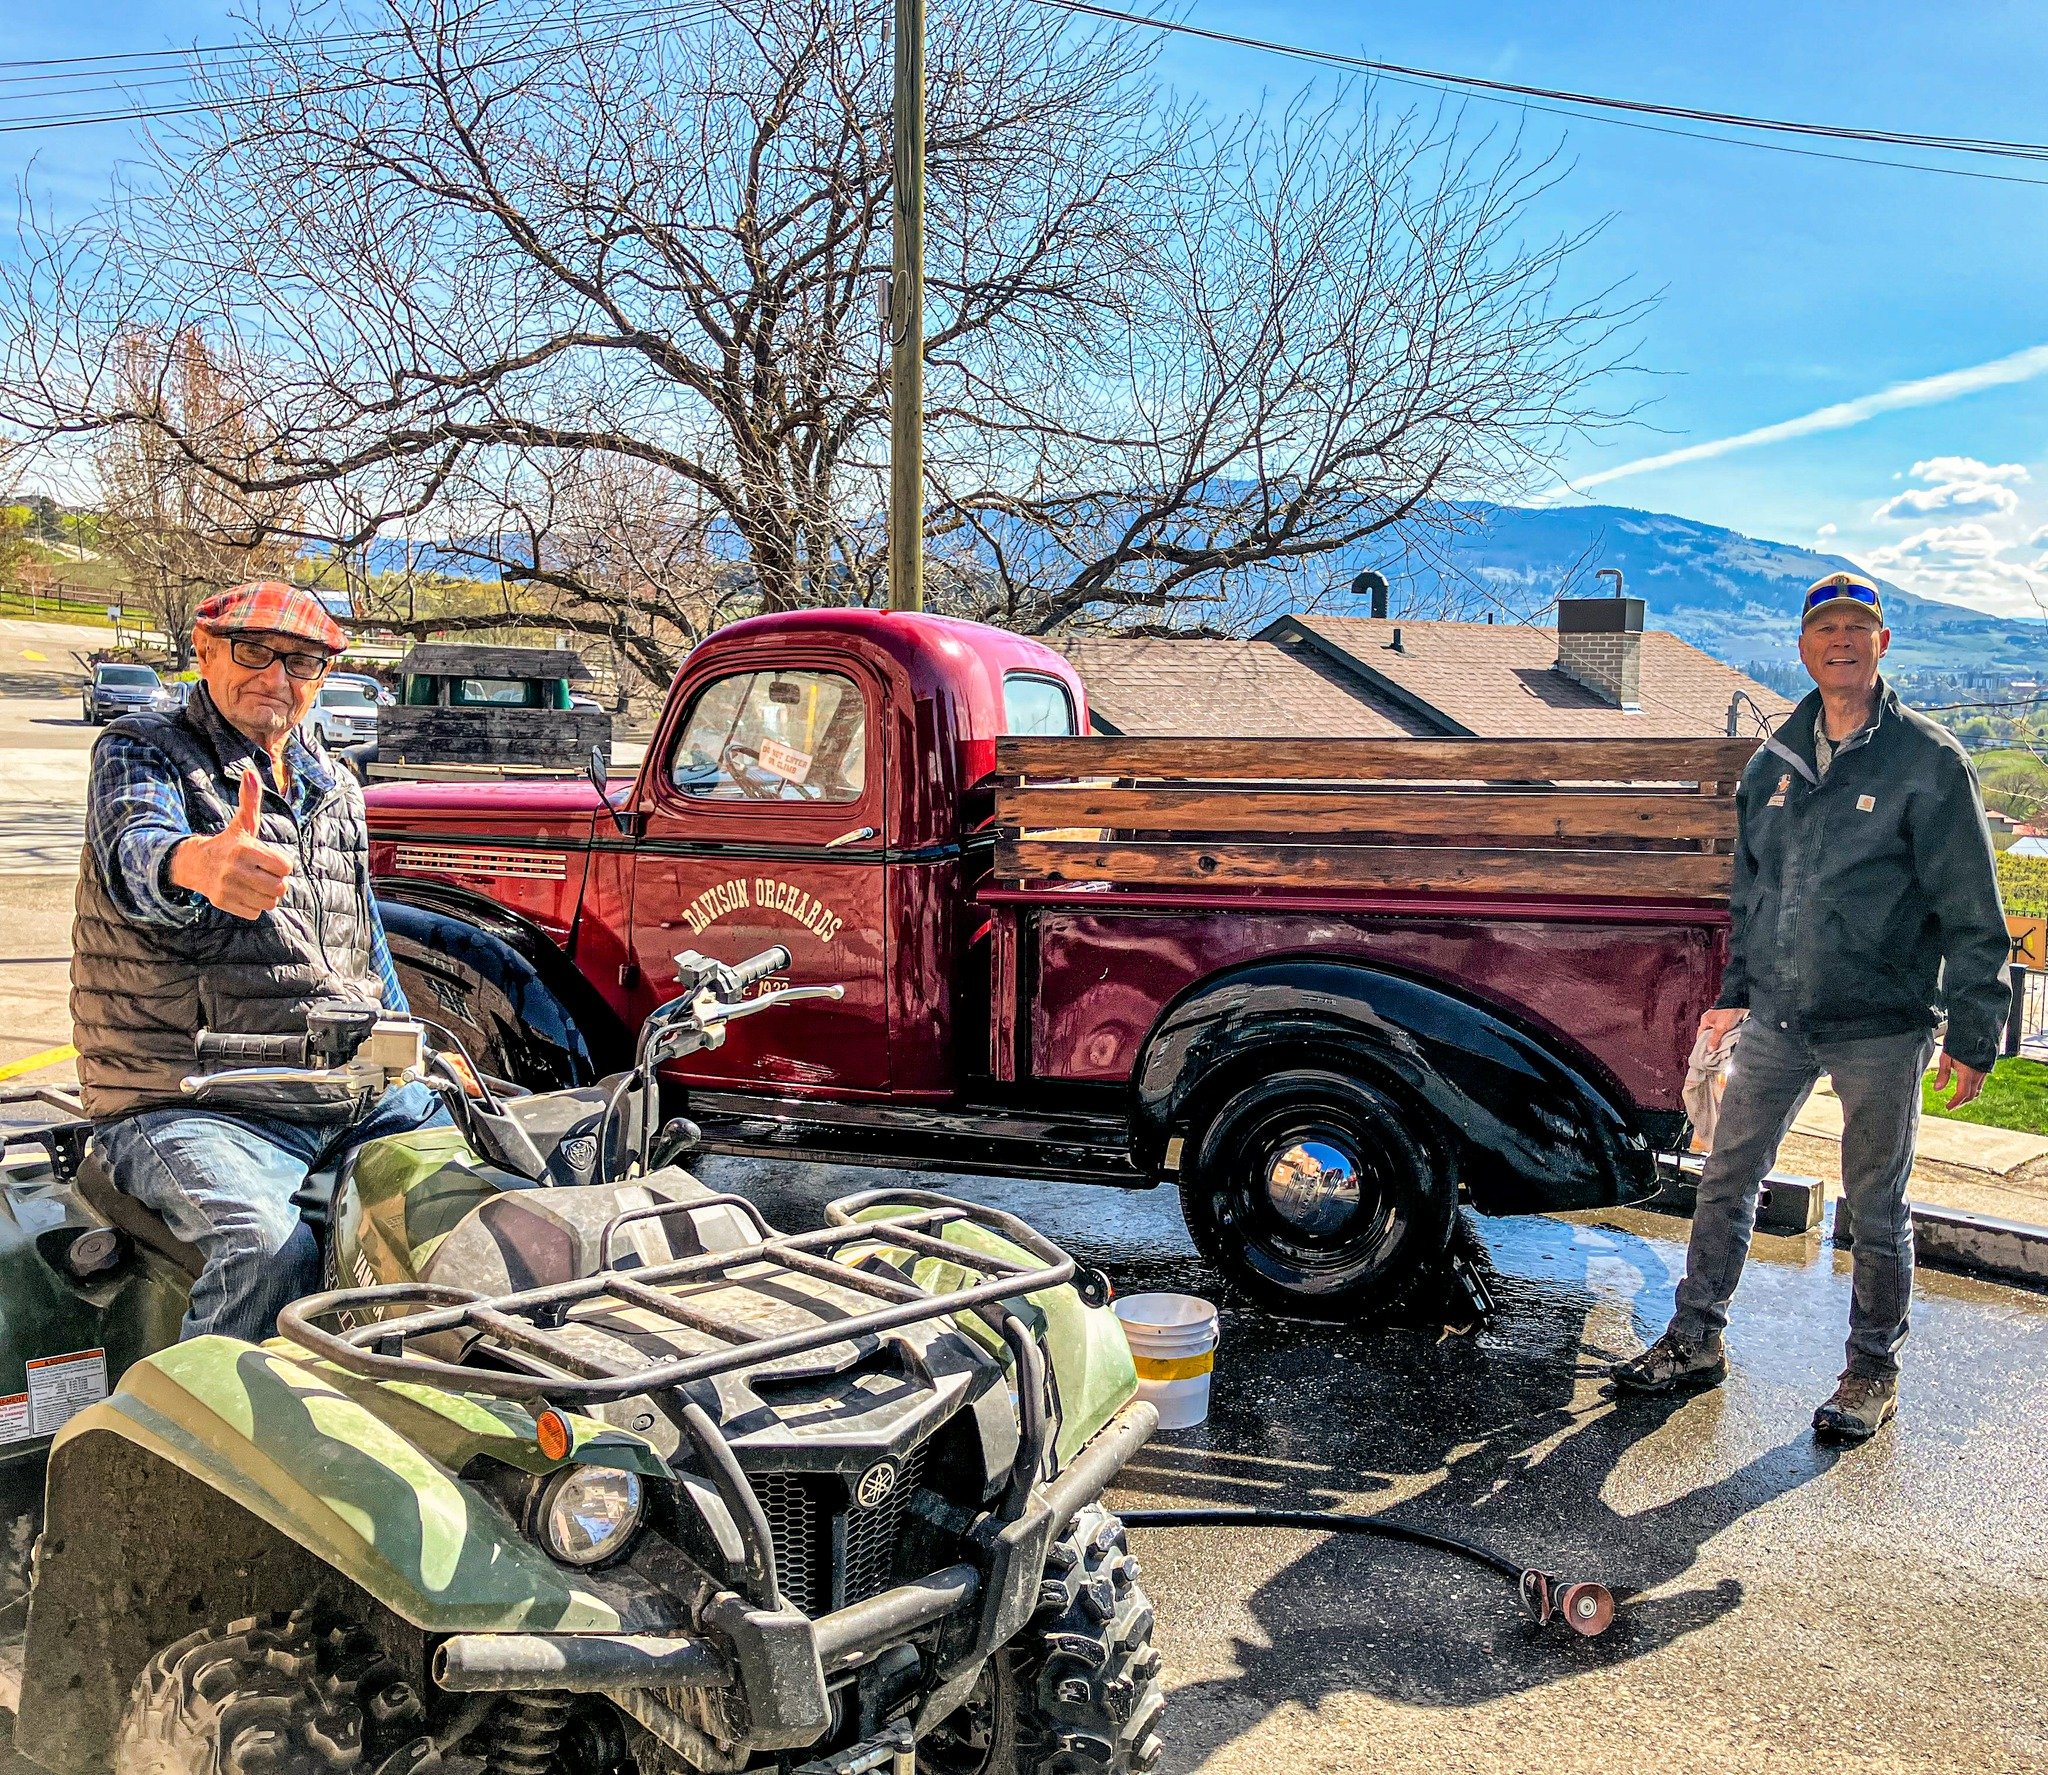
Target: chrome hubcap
1313,1186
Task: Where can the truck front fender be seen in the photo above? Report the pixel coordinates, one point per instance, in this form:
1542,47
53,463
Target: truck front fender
1525,1129
502,984
222,1480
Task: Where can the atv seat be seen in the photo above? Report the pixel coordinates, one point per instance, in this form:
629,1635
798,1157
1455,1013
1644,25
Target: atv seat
96,1188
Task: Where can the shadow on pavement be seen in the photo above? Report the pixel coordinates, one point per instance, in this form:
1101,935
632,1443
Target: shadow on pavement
1507,1439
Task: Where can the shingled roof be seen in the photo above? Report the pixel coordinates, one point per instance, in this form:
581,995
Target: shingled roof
1224,690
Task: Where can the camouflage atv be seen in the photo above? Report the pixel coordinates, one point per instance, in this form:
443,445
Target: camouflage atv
581,1466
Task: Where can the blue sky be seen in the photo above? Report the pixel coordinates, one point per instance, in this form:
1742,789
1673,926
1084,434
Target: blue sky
1786,286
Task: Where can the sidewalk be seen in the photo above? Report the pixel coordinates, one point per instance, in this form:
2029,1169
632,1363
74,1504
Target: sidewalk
1995,1171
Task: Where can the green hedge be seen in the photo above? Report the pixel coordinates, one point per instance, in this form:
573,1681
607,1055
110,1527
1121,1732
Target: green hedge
2024,883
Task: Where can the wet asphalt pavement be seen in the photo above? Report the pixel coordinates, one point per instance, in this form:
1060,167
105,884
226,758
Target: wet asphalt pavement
1783,1605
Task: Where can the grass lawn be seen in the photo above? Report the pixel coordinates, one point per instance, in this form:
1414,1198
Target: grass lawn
2015,1096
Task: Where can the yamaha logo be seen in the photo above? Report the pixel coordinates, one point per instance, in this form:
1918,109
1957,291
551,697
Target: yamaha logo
876,1484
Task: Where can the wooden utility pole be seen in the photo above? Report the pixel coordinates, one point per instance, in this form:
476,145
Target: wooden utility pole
906,319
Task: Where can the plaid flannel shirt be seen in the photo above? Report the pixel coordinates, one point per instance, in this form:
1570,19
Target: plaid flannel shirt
136,816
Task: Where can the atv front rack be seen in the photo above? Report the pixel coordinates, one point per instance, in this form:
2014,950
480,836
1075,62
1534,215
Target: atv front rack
523,1330
541,1369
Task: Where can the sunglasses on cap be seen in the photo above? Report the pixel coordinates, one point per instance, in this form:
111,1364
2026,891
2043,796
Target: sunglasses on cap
1842,588
253,656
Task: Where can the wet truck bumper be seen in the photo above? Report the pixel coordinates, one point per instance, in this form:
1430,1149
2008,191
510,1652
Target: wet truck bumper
783,1661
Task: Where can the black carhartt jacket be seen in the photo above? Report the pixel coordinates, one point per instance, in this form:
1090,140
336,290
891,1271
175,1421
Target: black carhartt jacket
1867,902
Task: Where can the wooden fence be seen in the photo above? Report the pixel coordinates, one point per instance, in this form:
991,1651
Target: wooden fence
1645,819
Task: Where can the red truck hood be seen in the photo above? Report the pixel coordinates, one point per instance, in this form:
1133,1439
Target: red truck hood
554,809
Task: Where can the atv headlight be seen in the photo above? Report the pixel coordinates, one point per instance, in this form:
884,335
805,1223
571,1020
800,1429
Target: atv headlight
588,1514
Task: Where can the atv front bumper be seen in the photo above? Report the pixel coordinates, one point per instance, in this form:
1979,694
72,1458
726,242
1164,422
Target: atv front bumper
785,1662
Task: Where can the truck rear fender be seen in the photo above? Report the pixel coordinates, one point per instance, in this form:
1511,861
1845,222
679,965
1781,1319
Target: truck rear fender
1524,1129
501,983
223,1480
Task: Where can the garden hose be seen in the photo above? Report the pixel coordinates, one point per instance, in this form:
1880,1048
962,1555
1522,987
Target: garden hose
1583,1606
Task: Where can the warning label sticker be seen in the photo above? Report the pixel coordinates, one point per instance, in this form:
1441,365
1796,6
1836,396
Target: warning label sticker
14,1418
785,761
60,1387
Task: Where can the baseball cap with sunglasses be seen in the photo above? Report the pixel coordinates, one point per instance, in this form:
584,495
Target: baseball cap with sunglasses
254,656
1841,588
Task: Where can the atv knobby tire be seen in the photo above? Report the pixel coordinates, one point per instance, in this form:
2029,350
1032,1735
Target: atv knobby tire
281,1695
1077,1692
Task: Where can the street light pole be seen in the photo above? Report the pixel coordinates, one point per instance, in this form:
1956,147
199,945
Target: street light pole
906,319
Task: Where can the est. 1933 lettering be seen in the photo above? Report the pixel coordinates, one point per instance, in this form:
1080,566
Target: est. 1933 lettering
742,893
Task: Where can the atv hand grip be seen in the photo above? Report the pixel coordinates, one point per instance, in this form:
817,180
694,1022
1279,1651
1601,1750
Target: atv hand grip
250,1050
759,967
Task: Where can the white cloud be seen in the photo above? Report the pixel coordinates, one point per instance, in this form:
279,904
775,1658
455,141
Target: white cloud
1925,391
1824,532
1966,468
2038,538
1950,496
1942,544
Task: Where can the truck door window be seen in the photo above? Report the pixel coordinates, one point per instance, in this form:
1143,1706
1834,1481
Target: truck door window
1036,705
774,736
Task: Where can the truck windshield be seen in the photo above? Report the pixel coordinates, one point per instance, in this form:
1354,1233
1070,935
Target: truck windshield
774,736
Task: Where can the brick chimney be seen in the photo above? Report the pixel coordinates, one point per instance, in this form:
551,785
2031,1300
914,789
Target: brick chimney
1600,645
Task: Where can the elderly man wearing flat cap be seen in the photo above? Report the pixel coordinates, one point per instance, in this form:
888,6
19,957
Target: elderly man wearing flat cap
225,885
1865,907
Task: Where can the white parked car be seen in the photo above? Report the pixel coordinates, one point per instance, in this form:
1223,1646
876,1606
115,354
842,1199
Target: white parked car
343,715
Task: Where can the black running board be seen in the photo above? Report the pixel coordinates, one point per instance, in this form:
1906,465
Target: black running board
995,1141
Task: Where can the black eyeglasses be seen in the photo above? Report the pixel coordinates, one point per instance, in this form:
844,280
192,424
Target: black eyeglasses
254,656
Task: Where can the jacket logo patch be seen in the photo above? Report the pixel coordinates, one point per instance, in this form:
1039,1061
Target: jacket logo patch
1866,804
1784,783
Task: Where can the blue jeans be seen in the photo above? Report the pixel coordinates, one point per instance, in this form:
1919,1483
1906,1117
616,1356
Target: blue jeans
225,1184
1773,1071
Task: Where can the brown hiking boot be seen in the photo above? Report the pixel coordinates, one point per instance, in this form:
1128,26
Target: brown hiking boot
1863,1404
1673,1364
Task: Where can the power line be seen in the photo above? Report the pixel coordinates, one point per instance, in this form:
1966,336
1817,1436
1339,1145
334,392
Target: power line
1625,113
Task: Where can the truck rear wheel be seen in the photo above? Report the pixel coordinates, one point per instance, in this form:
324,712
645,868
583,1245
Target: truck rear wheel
1313,1193
273,1696
1077,1692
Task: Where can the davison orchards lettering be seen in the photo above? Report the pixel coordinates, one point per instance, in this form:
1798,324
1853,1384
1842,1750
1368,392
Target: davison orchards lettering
740,893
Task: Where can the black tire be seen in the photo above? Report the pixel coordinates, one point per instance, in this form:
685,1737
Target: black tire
1318,1193
279,1695
1078,1691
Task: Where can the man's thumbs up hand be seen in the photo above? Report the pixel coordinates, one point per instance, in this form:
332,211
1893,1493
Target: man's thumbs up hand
234,869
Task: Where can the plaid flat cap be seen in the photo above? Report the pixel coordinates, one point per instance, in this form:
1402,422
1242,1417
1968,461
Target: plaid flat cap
270,607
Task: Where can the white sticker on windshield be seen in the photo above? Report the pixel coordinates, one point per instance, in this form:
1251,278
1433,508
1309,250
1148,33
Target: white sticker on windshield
14,1418
784,761
60,1387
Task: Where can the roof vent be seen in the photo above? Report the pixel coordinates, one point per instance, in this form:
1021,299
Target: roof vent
1394,646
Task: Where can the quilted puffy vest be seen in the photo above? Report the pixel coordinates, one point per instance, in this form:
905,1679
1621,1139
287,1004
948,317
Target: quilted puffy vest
139,993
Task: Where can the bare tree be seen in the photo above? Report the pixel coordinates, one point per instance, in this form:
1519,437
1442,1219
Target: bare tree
181,477
1171,362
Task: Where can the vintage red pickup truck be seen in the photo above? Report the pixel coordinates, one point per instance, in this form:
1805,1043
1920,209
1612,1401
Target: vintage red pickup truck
1328,988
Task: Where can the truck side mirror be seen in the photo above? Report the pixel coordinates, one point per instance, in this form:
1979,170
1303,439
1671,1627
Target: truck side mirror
600,779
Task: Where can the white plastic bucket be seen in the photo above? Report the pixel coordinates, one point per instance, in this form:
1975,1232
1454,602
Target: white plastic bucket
1173,1342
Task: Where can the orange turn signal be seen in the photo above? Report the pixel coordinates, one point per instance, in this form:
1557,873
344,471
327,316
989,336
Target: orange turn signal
551,1430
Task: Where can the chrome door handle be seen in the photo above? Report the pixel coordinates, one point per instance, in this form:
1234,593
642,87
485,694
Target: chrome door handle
853,837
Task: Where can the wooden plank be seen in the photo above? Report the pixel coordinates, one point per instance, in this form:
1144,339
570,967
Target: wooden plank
1500,761
1460,815
427,735
1651,875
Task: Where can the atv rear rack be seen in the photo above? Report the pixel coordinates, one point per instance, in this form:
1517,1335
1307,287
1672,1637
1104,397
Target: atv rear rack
522,1329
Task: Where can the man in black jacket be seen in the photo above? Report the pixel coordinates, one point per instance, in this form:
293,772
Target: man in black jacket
1865,902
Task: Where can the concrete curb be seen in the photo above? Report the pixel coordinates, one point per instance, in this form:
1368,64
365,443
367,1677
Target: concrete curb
1977,1244
1788,1205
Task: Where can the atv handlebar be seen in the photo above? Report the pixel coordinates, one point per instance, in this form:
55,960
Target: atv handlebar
222,1048
759,967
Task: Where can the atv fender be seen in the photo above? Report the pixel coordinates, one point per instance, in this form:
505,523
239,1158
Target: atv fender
1527,1130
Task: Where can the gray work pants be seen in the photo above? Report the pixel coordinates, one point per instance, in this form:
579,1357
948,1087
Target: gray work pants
1772,1073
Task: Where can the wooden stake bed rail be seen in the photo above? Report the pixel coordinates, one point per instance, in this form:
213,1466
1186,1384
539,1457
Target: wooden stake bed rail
1635,819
